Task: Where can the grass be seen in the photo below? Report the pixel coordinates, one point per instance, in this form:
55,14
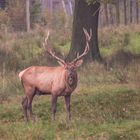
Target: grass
101,113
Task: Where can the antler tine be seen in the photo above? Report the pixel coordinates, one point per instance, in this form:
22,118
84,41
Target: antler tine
49,50
90,33
88,38
46,39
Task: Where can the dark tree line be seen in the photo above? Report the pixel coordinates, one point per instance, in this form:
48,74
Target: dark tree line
116,12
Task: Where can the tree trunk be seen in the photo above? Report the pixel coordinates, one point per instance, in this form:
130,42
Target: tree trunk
28,15
2,4
111,14
85,16
65,12
106,13
70,7
131,16
125,12
50,7
117,12
137,11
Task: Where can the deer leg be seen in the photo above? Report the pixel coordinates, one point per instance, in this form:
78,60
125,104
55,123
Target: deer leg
67,102
24,106
54,102
29,107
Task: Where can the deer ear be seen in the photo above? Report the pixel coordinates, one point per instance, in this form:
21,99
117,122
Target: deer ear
78,63
60,63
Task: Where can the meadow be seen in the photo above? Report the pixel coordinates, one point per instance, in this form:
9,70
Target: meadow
105,105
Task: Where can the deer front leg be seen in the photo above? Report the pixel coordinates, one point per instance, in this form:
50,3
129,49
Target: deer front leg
67,102
54,102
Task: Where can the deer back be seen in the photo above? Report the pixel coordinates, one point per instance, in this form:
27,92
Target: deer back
49,80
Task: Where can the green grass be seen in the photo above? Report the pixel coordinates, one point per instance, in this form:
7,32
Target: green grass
112,113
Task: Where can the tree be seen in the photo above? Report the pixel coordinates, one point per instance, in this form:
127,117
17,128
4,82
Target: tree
106,12
65,12
85,15
125,12
137,11
131,6
111,14
2,4
117,12
28,15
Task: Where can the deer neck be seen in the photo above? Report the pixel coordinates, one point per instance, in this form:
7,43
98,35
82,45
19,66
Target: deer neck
71,80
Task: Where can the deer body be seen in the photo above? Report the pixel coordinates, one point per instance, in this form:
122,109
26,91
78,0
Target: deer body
49,80
55,81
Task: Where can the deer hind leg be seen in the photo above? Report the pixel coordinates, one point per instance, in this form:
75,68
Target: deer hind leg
29,92
29,104
24,106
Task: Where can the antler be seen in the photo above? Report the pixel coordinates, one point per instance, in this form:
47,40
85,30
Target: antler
49,50
88,38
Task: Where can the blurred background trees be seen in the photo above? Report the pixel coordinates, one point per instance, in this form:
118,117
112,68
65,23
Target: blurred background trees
21,15
119,12
36,16
112,12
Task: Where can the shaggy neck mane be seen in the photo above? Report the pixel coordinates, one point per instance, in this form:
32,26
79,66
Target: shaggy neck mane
71,79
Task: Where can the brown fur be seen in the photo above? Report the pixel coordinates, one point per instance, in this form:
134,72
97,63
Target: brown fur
51,80
41,80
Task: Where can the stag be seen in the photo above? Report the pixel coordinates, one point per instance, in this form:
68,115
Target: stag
54,81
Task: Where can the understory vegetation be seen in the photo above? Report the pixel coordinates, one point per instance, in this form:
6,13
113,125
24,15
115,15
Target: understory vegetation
106,103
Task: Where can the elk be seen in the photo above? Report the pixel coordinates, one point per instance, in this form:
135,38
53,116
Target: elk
54,81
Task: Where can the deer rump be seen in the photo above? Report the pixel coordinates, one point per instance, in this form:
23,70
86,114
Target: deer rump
49,80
